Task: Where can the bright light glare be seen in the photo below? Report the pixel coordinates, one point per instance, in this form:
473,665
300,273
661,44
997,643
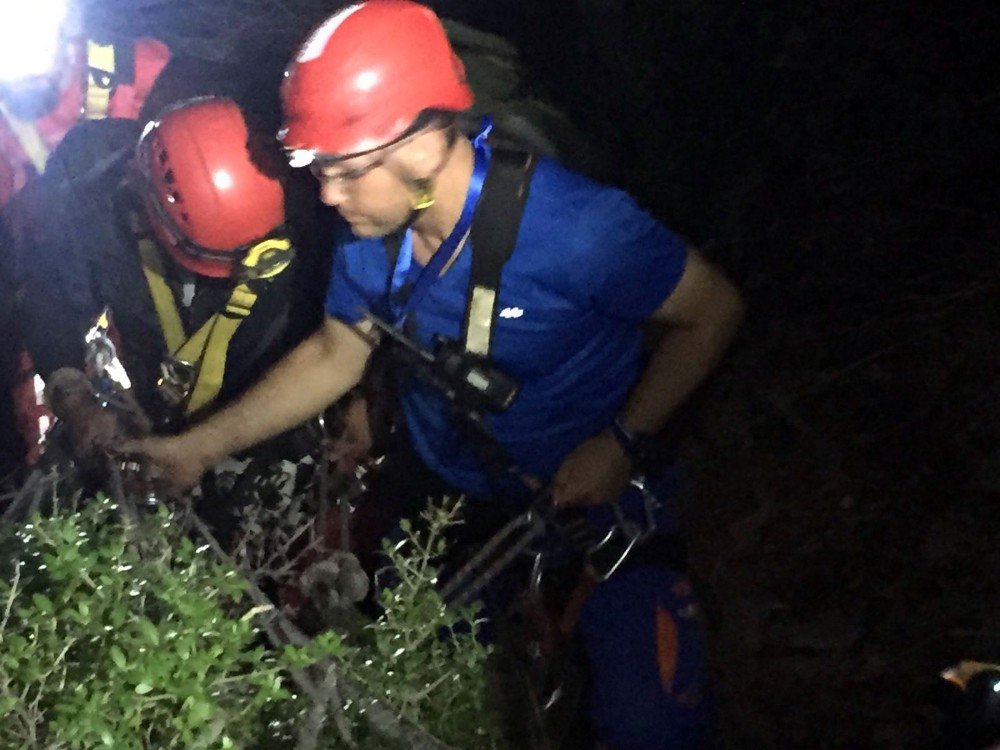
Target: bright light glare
300,157
367,80
29,37
222,179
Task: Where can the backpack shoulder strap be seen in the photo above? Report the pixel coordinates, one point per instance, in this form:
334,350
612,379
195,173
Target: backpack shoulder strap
494,234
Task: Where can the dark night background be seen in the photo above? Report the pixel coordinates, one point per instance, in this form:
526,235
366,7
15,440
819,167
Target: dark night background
838,160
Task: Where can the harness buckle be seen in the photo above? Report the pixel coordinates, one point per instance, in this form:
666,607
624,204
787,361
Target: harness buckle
177,379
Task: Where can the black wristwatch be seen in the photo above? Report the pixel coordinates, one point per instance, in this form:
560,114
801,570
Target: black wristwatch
635,444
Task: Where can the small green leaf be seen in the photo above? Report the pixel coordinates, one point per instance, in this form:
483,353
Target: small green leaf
200,711
143,687
43,603
118,657
149,630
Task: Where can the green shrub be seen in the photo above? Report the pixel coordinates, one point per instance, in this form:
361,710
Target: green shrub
133,636
129,644
421,657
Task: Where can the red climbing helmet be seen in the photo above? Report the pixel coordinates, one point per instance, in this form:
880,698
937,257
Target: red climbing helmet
364,76
207,201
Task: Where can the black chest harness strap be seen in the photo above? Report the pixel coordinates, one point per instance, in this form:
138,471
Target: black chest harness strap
493,236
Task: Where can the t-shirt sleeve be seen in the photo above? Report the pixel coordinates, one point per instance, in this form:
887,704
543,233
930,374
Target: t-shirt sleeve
357,279
633,262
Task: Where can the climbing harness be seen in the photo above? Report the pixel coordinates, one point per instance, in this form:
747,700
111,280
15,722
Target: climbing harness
191,377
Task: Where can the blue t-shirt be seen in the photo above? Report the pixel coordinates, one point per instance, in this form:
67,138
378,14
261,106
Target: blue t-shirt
588,268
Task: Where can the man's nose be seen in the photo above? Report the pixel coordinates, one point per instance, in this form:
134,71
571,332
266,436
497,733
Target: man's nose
331,193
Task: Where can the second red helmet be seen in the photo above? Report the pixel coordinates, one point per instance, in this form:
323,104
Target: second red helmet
207,201
363,77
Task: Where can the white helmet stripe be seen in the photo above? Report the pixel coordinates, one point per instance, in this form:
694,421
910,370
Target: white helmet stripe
316,43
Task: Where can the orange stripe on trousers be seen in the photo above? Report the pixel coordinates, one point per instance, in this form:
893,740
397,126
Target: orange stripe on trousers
666,648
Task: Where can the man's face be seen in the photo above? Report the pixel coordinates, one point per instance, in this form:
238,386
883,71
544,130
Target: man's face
369,191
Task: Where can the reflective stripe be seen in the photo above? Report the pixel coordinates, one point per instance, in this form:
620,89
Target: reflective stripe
100,80
481,305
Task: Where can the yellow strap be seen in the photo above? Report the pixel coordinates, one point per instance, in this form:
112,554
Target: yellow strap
213,358
100,79
208,347
267,258
30,139
163,297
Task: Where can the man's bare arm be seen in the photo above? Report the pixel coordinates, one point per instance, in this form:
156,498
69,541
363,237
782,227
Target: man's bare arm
700,318
313,375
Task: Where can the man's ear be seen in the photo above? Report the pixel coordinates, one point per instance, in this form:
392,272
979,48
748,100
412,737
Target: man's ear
424,155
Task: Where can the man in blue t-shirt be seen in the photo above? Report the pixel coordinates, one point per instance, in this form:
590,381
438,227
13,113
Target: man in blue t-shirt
370,103
588,269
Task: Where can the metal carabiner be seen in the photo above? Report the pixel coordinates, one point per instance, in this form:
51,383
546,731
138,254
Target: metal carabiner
494,557
627,533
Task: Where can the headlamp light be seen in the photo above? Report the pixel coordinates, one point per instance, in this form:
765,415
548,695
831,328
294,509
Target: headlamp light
300,157
30,37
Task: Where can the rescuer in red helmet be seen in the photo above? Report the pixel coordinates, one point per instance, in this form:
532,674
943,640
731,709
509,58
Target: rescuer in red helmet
52,76
526,287
185,244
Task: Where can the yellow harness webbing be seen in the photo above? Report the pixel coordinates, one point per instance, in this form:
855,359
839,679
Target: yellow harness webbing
206,348
100,79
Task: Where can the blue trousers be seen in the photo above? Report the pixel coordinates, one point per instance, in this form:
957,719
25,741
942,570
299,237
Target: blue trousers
646,654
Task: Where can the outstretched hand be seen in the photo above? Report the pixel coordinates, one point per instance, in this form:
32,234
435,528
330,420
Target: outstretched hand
596,472
170,464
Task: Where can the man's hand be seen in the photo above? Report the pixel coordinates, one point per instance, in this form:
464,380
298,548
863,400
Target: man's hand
355,441
171,464
596,472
